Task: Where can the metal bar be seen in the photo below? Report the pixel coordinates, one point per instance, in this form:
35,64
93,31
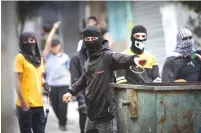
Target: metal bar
157,87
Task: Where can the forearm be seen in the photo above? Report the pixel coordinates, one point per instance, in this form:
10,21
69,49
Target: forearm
78,85
19,92
121,61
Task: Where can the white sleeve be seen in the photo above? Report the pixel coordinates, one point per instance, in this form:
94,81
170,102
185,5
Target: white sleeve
79,45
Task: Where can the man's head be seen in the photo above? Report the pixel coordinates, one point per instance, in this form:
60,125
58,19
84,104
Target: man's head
92,21
92,39
46,29
185,42
55,46
138,38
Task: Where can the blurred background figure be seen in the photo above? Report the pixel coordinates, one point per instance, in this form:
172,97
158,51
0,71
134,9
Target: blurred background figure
57,75
44,33
184,64
93,21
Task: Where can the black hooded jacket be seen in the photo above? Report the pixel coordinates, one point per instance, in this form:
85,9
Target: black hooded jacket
76,70
97,74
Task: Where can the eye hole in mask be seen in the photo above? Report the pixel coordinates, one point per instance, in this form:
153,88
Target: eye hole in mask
90,38
186,38
29,40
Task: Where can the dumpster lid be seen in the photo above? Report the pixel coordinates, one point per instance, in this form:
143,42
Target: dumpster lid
160,86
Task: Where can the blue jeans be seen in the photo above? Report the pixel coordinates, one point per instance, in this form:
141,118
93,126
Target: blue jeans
33,119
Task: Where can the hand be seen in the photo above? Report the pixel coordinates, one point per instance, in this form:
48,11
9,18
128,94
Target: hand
67,97
157,80
140,61
24,106
180,80
57,24
47,87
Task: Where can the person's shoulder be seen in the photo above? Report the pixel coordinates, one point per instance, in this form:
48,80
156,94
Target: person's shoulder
65,55
19,56
75,57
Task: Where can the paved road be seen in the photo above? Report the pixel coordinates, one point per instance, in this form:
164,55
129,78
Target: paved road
52,123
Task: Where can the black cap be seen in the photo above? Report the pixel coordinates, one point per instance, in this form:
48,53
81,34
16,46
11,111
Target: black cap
92,31
55,42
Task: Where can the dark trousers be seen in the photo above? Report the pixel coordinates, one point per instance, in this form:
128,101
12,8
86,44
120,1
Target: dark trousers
82,121
100,127
59,107
33,119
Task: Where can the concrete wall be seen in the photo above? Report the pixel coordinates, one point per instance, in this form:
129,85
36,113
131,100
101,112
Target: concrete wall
9,44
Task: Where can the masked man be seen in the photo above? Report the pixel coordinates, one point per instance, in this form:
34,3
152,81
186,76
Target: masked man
151,73
97,74
184,63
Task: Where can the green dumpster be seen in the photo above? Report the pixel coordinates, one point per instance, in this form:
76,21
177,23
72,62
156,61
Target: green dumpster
158,108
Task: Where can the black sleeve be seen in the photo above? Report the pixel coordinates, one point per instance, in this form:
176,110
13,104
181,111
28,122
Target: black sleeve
170,71
78,85
74,69
155,72
75,75
120,61
78,79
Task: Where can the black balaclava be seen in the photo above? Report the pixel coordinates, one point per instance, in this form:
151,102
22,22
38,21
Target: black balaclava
93,46
138,45
30,51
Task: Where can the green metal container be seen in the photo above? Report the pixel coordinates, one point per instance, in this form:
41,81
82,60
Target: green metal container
158,108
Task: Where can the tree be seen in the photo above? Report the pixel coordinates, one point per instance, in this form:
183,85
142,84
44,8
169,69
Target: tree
196,22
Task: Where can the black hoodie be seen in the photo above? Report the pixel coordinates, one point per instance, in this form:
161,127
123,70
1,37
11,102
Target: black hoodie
76,70
97,74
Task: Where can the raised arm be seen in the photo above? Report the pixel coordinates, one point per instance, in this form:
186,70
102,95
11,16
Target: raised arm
49,38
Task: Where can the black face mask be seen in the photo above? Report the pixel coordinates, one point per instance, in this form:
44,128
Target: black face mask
93,46
138,45
30,48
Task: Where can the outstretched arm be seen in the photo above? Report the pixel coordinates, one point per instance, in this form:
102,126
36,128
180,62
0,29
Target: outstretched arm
121,61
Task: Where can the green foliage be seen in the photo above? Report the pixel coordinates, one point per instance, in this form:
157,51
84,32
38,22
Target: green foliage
194,5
